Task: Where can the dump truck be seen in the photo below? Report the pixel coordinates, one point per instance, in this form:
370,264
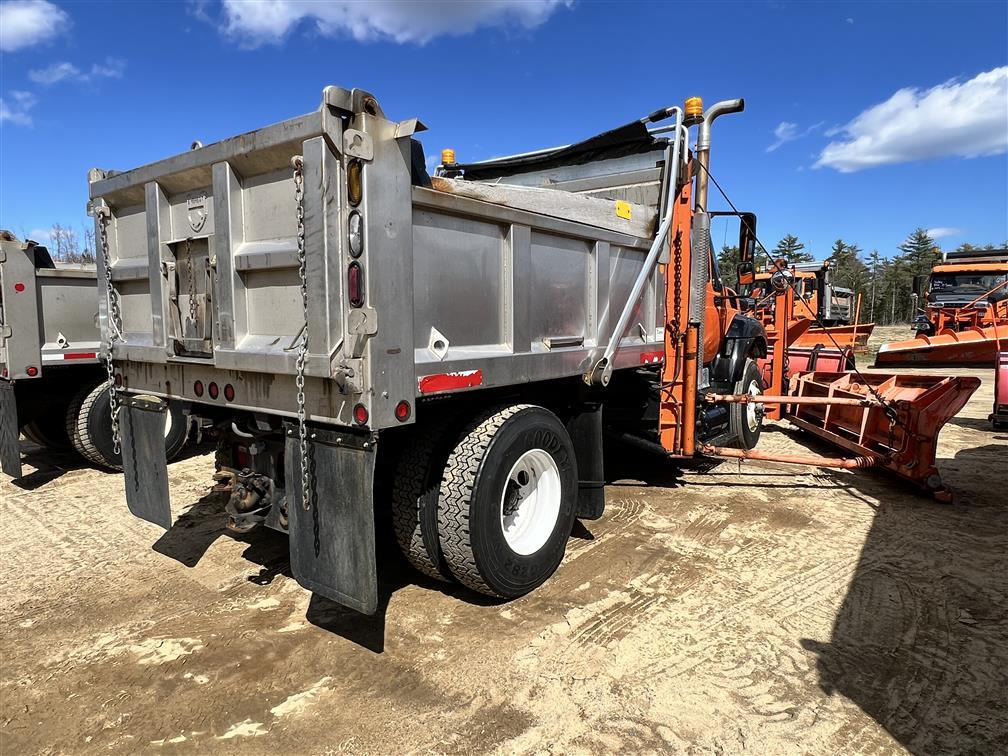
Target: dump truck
447,353
835,309
53,383
963,304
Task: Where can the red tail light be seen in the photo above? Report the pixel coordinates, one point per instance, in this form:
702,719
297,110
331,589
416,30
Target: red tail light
213,390
198,388
355,284
360,414
229,392
19,287
402,411
32,371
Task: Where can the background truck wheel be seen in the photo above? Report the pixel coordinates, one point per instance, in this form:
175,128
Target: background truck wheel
747,419
415,489
89,426
508,499
48,430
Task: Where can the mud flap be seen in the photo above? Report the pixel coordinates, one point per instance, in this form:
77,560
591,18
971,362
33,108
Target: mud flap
332,543
10,449
141,425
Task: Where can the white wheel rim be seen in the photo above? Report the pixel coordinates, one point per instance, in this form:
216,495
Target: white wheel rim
530,502
167,423
754,410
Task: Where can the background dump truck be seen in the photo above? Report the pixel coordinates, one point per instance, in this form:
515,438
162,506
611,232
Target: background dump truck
836,308
449,350
52,381
963,313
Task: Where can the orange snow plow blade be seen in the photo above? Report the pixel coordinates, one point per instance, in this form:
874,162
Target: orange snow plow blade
845,336
974,346
905,440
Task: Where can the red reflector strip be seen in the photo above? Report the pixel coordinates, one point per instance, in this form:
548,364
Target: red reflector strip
651,358
430,384
79,355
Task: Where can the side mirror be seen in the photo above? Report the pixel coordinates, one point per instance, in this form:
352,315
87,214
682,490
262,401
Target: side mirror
918,285
746,273
747,237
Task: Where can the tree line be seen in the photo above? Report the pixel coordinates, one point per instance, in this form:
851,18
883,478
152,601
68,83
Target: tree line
884,283
65,244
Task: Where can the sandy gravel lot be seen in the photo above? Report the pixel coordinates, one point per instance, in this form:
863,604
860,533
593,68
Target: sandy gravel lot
761,609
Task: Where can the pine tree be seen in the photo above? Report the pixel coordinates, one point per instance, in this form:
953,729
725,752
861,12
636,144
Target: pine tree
728,260
920,252
791,250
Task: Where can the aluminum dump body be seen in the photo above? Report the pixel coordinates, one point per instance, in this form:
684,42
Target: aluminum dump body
458,293
48,312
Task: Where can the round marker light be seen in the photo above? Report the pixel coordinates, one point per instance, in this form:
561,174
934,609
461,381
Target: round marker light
360,414
355,228
198,388
229,392
32,371
402,411
213,390
19,287
355,182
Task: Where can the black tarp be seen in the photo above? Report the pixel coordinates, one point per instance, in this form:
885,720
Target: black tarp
630,139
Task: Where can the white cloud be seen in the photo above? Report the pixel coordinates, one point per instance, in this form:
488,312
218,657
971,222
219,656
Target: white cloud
420,21
850,20
24,23
57,72
16,109
964,119
943,231
40,235
788,132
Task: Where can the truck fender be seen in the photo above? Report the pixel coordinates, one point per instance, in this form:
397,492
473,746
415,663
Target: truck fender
745,338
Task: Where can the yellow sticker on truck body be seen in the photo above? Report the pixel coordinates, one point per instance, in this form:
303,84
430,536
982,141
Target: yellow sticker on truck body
623,209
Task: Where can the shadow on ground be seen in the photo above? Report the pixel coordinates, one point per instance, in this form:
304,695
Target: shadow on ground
920,643
193,533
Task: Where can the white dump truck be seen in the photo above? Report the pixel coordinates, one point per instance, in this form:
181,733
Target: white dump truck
53,384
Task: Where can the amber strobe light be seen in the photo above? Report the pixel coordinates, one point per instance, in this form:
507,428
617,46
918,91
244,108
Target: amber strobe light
693,108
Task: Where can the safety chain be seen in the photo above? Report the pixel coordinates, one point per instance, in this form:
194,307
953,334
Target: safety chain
297,163
192,284
677,246
114,324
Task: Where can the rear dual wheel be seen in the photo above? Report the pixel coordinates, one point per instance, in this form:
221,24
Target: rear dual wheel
500,516
89,427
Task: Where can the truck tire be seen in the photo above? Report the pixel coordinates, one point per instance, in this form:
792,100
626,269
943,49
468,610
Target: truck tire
89,426
415,487
48,430
508,500
747,419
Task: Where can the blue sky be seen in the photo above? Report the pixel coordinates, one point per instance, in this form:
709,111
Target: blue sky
885,116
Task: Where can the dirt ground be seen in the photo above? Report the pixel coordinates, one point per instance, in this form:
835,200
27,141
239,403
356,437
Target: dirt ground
762,609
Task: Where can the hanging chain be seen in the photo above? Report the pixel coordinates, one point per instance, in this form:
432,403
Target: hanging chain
677,267
297,162
192,284
114,323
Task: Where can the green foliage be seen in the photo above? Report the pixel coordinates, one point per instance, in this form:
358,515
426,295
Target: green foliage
791,250
728,259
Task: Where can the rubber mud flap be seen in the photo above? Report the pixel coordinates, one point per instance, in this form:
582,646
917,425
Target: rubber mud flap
10,449
332,543
141,426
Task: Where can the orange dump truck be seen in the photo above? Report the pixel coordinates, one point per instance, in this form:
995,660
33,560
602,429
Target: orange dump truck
964,312
836,308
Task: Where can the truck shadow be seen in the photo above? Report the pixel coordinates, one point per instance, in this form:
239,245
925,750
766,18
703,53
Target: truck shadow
195,530
49,464
920,642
